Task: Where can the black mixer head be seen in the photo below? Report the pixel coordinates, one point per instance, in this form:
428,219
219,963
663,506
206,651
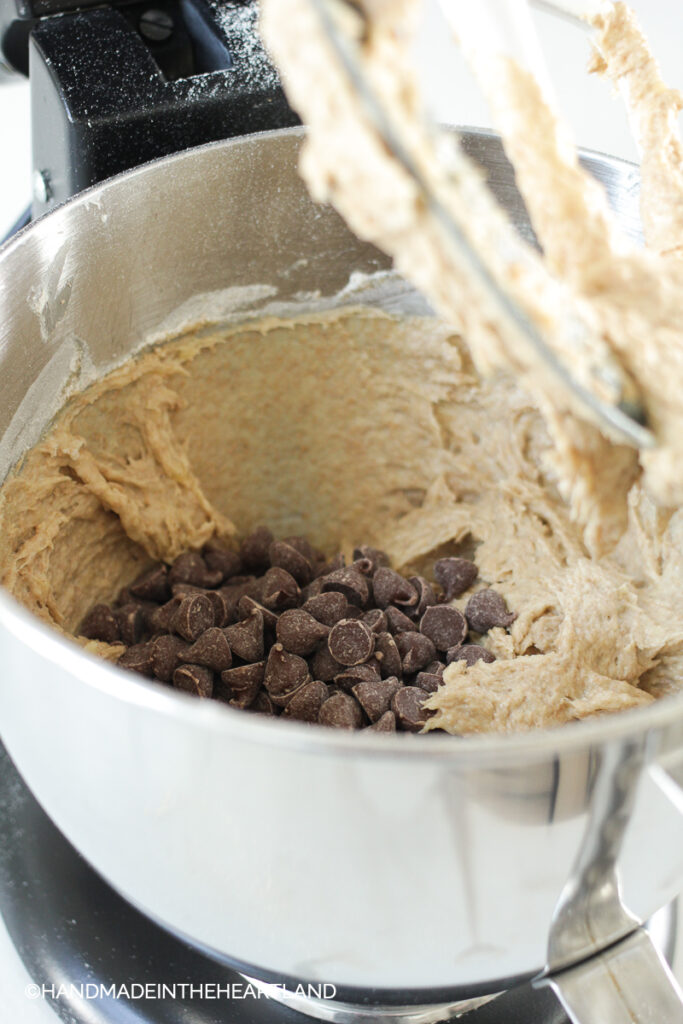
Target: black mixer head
114,86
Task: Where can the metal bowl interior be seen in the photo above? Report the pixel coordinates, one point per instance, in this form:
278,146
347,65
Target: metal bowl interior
127,768
88,284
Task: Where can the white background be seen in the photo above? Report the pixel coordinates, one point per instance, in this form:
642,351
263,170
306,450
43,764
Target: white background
596,117
598,122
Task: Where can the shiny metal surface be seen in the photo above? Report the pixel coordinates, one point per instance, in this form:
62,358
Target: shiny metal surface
590,911
336,1012
582,991
399,863
617,987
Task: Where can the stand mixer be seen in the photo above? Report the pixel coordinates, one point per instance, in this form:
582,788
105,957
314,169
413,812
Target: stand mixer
93,142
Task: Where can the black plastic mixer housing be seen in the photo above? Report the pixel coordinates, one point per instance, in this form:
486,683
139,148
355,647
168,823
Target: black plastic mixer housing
116,85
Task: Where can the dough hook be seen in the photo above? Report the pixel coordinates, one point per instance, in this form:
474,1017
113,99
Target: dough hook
624,414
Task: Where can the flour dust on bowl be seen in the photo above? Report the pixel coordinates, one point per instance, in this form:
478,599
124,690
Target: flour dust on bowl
413,865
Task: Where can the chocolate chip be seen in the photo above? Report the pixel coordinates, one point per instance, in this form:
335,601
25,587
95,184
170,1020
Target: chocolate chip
233,592
218,559
249,580
445,626
312,589
350,677
148,610
486,609
211,649
327,608
350,583
299,632
131,623
425,596
306,703
183,589
352,612
305,548
262,704
194,615
284,556
392,588
166,656
241,685
341,711
280,590
247,605
387,655
351,642
254,549
274,605
372,555
398,621
469,653
324,666
191,568
139,658
416,651
455,576
223,602
428,681
338,562
363,565
125,596
153,584
161,619
375,695
246,637
194,679
285,673
407,706
376,620
100,624
221,611
387,723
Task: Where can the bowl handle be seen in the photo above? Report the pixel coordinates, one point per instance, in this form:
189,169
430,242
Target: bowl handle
629,983
590,914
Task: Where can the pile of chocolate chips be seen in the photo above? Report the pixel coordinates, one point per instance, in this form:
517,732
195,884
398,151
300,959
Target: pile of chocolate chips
275,629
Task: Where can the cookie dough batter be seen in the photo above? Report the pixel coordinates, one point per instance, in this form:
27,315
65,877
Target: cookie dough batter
393,438
356,425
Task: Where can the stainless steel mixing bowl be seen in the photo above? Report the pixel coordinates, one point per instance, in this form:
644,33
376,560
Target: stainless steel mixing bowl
428,864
